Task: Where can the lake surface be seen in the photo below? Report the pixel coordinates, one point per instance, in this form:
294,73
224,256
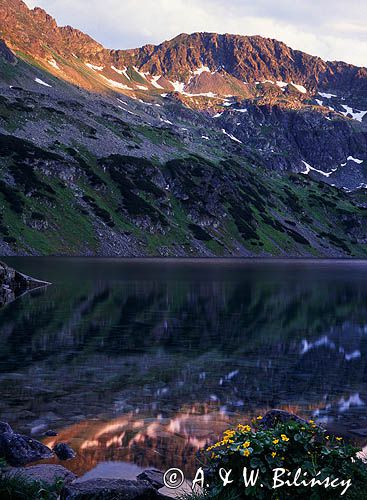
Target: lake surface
140,363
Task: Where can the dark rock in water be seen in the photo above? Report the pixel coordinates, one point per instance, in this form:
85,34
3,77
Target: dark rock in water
5,427
50,433
13,284
63,451
274,417
111,489
47,474
20,450
153,477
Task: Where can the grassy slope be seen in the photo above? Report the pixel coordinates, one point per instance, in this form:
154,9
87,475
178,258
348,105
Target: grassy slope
219,207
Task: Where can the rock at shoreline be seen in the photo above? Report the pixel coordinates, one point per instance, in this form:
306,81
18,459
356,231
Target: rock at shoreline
13,284
50,433
5,427
63,451
274,417
111,489
17,449
153,477
46,474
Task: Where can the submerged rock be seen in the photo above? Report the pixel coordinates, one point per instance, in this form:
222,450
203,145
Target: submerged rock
47,474
63,451
17,449
13,284
111,489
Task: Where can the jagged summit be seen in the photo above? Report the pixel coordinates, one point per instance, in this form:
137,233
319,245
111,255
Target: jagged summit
208,64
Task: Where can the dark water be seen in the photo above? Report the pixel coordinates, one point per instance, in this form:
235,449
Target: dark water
143,362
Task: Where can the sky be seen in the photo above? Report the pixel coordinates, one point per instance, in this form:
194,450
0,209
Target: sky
333,30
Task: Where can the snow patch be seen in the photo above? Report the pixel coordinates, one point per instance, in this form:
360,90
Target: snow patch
202,69
142,87
205,94
231,136
94,67
117,85
357,115
217,115
121,72
41,82
178,86
326,95
300,88
356,160
143,75
154,81
53,63
320,103
308,168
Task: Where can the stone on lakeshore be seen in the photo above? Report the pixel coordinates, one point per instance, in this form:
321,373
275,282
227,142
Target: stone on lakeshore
63,451
153,477
21,450
5,427
110,489
47,474
274,417
50,433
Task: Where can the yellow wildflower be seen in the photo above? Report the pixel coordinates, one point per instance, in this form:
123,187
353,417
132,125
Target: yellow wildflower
273,454
327,437
244,428
275,441
284,437
339,439
259,417
246,453
246,444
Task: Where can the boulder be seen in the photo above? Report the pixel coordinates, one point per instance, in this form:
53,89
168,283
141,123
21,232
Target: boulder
274,417
46,474
153,477
13,284
20,450
63,451
50,433
5,427
110,489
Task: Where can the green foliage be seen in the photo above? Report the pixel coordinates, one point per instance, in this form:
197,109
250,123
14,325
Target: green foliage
18,488
290,445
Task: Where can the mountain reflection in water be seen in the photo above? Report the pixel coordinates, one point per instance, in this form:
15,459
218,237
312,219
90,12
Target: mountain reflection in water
147,361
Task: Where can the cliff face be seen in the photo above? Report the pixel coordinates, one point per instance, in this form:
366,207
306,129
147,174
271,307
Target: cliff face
203,145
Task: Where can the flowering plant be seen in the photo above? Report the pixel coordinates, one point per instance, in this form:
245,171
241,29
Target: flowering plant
289,446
